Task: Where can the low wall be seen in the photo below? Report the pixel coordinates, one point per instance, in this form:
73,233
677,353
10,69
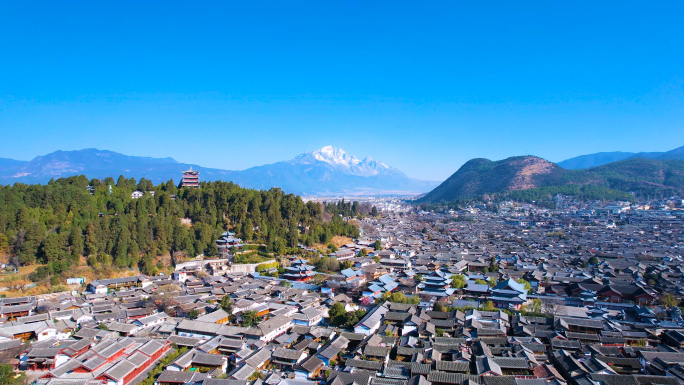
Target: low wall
247,268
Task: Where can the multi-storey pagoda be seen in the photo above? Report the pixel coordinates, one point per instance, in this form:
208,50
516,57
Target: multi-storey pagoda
438,284
190,178
299,271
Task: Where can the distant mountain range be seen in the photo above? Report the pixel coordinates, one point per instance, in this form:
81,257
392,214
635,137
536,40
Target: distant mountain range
331,171
524,173
327,171
601,158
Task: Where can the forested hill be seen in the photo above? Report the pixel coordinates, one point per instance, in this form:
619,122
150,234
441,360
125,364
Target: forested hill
61,222
529,176
483,176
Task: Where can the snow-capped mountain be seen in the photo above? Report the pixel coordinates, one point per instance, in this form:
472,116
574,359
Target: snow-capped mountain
331,171
338,159
327,171
333,155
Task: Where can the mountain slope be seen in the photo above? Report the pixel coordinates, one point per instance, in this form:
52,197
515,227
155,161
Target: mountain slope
10,166
642,174
95,164
328,171
11,163
677,153
593,160
601,158
481,176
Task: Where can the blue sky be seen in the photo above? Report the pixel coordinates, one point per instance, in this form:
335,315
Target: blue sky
422,86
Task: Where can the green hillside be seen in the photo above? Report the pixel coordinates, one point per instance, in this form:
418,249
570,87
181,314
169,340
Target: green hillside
530,178
643,175
59,223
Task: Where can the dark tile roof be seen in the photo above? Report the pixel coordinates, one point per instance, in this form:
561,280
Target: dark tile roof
451,378
311,364
448,366
181,377
362,364
498,380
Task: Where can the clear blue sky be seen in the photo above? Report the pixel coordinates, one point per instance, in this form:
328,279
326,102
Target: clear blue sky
423,86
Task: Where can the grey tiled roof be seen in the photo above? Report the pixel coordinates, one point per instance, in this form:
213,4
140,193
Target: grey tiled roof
181,377
387,381
269,325
312,363
333,348
397,372
360,377
121,369
376,351
498,380
138,358
214,381
258,358
449,340
486,365
242,373
565,344
449,366
185,341
418,368
511,362
408,351
362,364
206,359
451,378
289,354
529,381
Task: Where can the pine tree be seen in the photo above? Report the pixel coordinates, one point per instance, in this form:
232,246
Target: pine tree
90,243
76,243
121,248
134,251
51,248
32,240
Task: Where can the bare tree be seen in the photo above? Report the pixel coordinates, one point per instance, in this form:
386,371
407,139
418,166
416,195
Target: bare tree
19,240
165,298
365,208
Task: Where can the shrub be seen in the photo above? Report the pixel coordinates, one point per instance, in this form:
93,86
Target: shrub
59,288
266,266
252,257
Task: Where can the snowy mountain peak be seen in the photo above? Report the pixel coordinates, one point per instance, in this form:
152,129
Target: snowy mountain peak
372,162
336,156
337,159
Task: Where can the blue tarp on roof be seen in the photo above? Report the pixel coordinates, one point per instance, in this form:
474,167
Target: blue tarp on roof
386,279
305,286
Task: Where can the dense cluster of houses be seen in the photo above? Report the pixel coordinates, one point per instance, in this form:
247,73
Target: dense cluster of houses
394,343
563,299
